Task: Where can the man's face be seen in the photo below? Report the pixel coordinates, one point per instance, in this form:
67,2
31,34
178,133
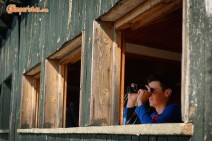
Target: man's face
157,97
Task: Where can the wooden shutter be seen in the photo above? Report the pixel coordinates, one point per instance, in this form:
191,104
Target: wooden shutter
101,77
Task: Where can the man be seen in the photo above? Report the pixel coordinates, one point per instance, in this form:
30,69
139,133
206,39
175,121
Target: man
158,93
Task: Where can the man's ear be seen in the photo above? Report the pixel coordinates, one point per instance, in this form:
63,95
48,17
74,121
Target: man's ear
168,92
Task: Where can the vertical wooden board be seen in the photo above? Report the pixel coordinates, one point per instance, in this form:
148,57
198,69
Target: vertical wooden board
152,138
81,79
108,137
26,104
86,83
144,138
135,138
87,137
125,137
3,137
161,138
103,137
41,137
1,104
184,138
33,137
196,47
121,137
122,69
115,137
27,137
60,137
173,138
5,121
62,93
208,78
101,74
116,76
37,96
74,137
51,137
42,96
51,94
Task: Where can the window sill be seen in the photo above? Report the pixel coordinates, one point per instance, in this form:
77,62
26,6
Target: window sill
148,129
4,131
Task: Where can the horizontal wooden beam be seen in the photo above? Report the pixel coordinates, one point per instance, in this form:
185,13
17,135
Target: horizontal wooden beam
131,17
157,14
152,52
67,48
184,129
34,70
120,9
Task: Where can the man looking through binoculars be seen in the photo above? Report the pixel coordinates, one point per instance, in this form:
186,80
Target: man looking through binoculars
157,93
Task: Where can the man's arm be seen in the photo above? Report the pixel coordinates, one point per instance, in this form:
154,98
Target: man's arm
171,114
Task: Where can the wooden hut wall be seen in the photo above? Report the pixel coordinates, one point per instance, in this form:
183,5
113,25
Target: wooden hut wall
199,41
35,36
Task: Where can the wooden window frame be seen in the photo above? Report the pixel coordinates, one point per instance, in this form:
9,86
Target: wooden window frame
30,98
151,9
55,81
117,22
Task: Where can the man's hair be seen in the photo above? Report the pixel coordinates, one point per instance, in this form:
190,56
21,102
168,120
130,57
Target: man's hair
164,79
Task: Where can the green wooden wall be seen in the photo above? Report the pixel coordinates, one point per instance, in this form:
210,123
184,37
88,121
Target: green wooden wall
88,137
35,36
200,45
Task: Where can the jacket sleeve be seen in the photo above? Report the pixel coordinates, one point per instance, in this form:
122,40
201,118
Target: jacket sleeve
128,113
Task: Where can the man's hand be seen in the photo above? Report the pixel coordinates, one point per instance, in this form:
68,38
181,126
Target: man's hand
143,96
132,97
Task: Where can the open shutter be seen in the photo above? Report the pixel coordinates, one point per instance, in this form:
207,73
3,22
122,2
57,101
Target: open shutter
101,77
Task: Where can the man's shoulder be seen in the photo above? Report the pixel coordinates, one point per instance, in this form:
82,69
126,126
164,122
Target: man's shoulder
173,106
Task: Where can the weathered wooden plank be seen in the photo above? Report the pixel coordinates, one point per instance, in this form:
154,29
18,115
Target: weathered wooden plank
136,138
197,47
114,137
4,137
6,95
122,42
184,138
26,108
120,9
82,79
152,138
173,138
208,73
51,95
41,137
109,138
51,137
1,104
144,138
101,74
121,23
162,138
62,137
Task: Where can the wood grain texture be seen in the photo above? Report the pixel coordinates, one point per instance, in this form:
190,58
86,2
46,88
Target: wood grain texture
101,74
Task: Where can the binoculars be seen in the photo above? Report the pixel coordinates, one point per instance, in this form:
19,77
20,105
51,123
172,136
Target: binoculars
134,87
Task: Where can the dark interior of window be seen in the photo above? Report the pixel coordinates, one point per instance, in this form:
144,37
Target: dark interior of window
73,93
163,33
5,103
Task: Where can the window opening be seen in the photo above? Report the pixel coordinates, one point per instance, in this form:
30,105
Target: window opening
153,48
73,94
